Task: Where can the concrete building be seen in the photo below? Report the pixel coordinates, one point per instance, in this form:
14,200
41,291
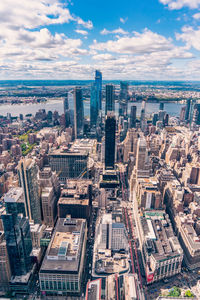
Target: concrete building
62,268
76,199
161,252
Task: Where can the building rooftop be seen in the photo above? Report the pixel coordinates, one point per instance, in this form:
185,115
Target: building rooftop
64,251
15,194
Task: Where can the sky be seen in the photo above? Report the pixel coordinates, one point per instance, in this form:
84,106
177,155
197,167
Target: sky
127,39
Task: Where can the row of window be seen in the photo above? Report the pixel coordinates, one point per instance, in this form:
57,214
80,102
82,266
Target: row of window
59,285
168,268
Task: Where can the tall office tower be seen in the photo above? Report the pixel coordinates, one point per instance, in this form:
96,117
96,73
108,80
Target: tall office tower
133,116
27,173
5,273
17,233
142,117
78,112
196,114
187,111
124,90
94,105
66,111
98,84
50,191
155,119
123,98
182,113
110,98
141,157
110,128
161,106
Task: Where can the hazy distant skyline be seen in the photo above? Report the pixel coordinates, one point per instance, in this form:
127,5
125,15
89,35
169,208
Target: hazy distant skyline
56,39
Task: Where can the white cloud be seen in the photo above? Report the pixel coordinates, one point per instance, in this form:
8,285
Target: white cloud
178,4
196,16
190,36
147,41
83,32
123,20
103,56
115,31
88,24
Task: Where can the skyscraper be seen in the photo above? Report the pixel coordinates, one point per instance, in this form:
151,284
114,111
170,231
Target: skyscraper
66,111
123,98
161,106
133,116
110,98
27,173
78,112
187,111
110,127
94,105
17,233
98,84
124,90
142,117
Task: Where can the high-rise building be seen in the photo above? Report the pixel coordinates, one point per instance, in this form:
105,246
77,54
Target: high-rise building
110,127
133,116
69,164
50,191
196,114
110,98
94,105
155,119
123,98
17,233
161,106
66,111
27,173
141,154
123,90
187,111
98,84
78,112
5,273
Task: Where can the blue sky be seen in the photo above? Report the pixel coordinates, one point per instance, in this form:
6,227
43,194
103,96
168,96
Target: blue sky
57,39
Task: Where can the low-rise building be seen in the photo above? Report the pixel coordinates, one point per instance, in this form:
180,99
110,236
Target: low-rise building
62,268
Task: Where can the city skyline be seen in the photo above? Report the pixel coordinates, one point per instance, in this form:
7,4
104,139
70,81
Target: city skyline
69,40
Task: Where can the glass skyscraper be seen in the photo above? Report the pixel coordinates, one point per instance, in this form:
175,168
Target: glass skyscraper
94,105
78,112
110,128
98,83
17,235
27,173
110,98
66,111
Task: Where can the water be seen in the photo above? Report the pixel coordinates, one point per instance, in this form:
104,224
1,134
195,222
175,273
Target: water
173,109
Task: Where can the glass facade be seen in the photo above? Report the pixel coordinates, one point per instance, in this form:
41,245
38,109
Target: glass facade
98,84
110,141
94,105
18,238
110,99
78,112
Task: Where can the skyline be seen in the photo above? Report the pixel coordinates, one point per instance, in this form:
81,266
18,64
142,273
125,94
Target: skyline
55,39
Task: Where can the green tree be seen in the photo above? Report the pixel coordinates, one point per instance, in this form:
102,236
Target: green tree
189,294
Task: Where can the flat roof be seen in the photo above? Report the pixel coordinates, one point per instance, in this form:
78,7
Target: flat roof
68,234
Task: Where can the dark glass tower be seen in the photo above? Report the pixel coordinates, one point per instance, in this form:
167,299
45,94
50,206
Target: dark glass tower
18,238
66,111
187,111
78,112
123,98
110,98
110,127
98,84
93,105
161,106
133,116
